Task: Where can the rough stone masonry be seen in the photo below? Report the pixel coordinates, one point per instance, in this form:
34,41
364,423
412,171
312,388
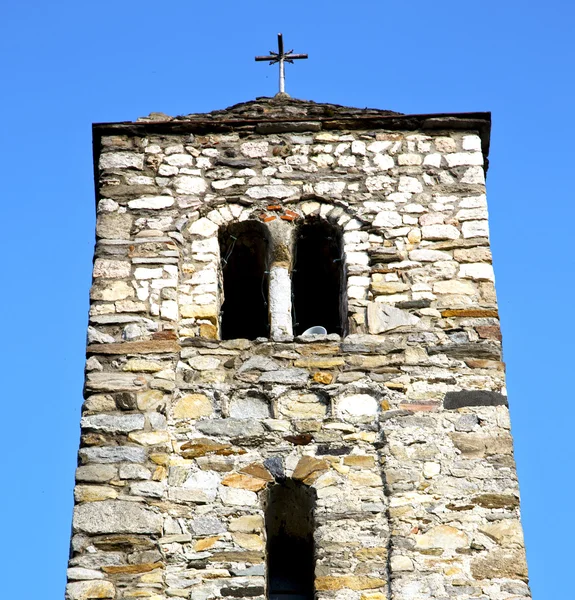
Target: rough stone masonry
400,428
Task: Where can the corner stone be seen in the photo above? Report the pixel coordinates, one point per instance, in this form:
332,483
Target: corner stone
111,516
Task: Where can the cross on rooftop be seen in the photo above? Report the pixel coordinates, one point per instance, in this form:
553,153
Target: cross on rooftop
281,57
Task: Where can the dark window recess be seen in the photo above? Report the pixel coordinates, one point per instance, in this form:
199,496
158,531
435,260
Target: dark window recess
244,251
290,550
317,280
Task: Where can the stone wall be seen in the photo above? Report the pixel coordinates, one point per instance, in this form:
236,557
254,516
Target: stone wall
401,427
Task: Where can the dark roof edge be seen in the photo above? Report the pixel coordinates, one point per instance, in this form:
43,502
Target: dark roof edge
475,121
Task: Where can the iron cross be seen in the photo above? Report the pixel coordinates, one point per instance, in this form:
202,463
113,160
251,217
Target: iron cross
281,57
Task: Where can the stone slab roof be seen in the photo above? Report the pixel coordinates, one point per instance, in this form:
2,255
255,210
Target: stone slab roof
281,114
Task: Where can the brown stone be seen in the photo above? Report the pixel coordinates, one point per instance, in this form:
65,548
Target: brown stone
389,287
500,564
249,541
244,482
317,349
146,347
164,335
477,363
489,332
94,493
496,500
193,406
247,524
357,460
368,554
202,446
206,543
248,556
351,582
90,590
308,465
506,532
299,440
322,377
470,312
320,362
477,445
209,331
141,568
257,470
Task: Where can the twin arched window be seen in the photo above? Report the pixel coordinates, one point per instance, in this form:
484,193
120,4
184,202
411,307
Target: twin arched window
317,278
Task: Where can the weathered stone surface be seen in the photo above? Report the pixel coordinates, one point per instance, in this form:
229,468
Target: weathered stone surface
193,406
148,347
464,398
231,427
308,465
247,524
120,423
88,590
504,564
382,317
244,482
351,582
507,533
495,501
286,376
96,473
258,363
113,454
116,516
444,537
249,407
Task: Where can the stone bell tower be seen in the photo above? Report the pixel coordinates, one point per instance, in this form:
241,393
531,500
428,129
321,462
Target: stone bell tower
226,452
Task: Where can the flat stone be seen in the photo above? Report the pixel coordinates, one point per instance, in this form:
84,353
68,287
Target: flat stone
286,376
231,427
247,524
145,347
249,407
113,454
202,446
383,317
114,382
90,590
506,533
372,344
193,406
471,313
244,482
440,232
96,473
94,493
495,501
444,537
272,191
150,438
110,291
203,227
122,160
500,564
116,516
187,184
98,337
152,202
485,350
114,226
258,363
464,398
236,497
352,582
308,465
80,573
357,405
113,423
249,541
207,526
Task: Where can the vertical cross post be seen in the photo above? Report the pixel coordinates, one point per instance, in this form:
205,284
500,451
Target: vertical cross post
281,57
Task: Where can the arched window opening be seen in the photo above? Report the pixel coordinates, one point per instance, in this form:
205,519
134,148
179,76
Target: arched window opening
244,251
290,550
318,278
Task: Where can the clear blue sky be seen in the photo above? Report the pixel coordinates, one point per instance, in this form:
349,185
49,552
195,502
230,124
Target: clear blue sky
67,64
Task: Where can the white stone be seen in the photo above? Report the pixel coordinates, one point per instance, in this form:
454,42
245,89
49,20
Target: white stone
186,184
432,160
227,183
387,219
474,202
464,158
378,182
104,267
454,286
152,203
479,271
472,229
272,191
169,310
357,258
409,159
204,363
424,255
442,536
107,205
79,573
431,469
471,142
121,160
357,405
384,317
237,497
410,184
323,160
474,175
379,146
383,162
329,188
358,147
148,273
280,302
203,227
347,161
205,482
399,562
439,232
254,149
414,208
180,160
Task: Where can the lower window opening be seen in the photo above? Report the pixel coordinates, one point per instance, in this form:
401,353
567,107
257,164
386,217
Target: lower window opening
244,249
290,549
317,280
